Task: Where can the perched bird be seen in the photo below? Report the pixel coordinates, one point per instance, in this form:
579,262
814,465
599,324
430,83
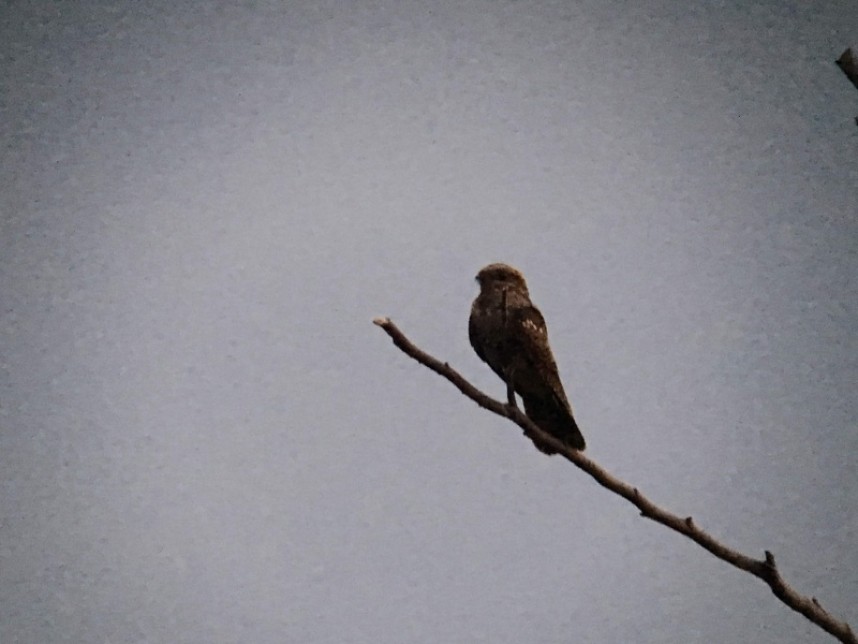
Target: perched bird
509,334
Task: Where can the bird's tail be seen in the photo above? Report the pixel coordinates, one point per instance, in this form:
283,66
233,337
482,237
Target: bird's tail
556,419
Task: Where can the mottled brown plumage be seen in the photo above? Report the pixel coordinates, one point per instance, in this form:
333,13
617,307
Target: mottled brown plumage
509,334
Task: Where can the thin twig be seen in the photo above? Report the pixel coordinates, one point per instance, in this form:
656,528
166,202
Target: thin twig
848,62
765,569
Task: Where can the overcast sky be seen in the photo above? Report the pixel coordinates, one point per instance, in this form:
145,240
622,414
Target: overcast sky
204,204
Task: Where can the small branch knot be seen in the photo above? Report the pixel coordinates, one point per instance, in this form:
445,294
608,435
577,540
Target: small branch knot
770,561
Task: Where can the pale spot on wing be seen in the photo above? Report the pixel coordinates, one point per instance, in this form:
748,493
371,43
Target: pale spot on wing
530,325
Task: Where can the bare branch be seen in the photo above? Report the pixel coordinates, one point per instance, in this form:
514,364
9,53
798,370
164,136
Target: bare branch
765,569
849,64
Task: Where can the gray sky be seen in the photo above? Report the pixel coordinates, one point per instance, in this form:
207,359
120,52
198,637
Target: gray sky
204,439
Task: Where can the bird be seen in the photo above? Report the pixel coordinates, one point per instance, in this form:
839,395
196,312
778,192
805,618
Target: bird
509,334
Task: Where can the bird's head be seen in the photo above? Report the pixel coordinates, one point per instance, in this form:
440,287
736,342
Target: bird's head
501,276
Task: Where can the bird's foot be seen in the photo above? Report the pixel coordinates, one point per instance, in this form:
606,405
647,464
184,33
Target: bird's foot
510,396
